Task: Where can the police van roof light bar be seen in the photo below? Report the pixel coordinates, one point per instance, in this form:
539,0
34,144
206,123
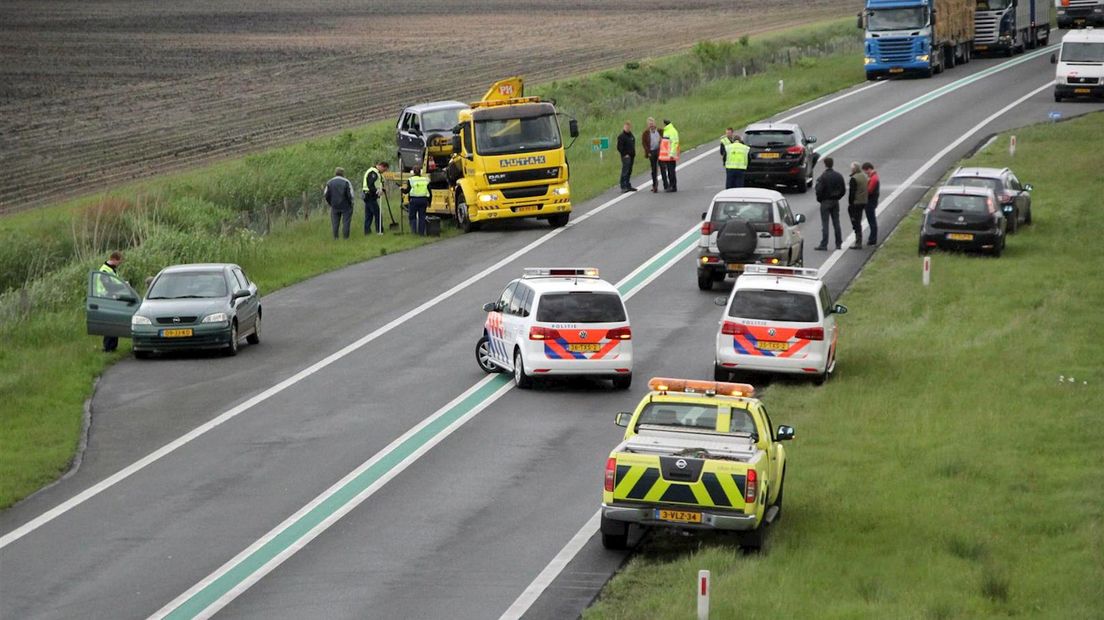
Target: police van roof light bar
772,270
560,272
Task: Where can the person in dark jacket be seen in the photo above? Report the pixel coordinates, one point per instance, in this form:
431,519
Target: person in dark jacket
856,201
649,142
370,191
339,195
626,147
830,189
873,192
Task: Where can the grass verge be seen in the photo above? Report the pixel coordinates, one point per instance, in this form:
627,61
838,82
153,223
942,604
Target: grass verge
251,210
953,467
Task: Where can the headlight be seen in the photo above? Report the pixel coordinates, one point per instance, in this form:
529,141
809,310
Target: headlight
487,197
140,320
561,191
868,60
922,58
218,317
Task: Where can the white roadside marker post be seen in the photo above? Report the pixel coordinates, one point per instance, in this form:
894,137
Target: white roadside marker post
781,86
703,594
927,270
1012,146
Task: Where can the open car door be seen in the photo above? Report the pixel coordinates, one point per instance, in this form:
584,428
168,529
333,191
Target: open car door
109,305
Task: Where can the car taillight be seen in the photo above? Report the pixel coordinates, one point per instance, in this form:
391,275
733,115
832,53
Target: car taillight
810,333
992,207
707,228
776,230
796,150
751,486
611,473
619,333
732,328
543,333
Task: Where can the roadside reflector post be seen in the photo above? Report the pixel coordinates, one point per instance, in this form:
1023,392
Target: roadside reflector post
1012,146
704,586
927,270
781,86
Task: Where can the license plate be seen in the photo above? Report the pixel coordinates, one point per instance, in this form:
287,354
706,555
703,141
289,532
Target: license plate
960,237
584,348
896,70
981,47
176,333
679,516
1081,91
735,266
525,209
769,155
772,346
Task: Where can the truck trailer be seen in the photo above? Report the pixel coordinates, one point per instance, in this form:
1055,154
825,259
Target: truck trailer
916,37
1011,26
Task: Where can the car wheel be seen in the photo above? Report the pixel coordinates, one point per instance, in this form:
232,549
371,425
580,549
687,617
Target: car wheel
255,337
998,249
720,374
559,220
800,261
1057,98
1027,218
705,280
232,348
922,249
622,382
615,534
778,501
802,187
1014,222
753,541
483,356
522,380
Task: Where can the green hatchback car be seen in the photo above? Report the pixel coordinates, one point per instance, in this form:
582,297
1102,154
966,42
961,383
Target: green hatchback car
200,306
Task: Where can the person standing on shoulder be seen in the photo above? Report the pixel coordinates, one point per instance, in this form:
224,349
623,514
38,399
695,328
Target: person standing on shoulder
417,189
830,189
856,201
626,147
339,195
649,141
370,192
111,265
668,156
734,153
873,192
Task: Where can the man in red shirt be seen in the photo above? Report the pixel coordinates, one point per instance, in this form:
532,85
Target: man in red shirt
873,188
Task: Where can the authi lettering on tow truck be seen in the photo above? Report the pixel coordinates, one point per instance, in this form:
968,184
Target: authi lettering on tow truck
515,162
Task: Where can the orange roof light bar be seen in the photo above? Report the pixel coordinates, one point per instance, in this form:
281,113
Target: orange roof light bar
692,386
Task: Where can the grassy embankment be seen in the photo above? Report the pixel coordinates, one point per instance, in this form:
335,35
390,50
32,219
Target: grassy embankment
953,468
251,211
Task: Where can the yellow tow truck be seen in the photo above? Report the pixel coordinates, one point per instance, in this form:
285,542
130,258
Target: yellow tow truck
696,455
506,159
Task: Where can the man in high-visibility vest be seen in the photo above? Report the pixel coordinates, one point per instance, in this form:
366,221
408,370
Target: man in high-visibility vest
105,288
668,156
370,192
417,188
735,155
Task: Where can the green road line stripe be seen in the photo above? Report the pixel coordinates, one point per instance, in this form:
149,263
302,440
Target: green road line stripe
658,262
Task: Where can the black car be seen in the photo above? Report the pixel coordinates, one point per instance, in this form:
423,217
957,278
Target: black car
427,124
1014,197
963,218
779,155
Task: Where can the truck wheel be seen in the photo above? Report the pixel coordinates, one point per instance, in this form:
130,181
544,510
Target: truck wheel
559,220
483,356
622,382
522,380
705,280
463,222
615,534
951,59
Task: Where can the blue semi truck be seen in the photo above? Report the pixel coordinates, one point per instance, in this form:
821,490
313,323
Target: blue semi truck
916,37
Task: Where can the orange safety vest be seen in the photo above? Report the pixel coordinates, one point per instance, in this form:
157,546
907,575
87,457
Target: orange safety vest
665,151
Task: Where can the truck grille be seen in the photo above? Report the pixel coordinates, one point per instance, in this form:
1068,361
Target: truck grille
525,192
176,320
1086,4
521,176
1082,80
986,27
895,50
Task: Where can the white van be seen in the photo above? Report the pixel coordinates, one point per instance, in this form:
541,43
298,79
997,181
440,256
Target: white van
1080,65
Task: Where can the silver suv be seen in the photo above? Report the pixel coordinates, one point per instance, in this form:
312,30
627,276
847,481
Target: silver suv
1014,197
747,226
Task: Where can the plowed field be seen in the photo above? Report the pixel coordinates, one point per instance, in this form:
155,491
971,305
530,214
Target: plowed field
94,93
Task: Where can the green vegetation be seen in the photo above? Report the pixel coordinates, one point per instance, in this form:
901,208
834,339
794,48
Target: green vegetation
953,467
251,211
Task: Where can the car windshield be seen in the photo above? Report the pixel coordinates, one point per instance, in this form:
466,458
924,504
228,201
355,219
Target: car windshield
1082,52
188,285
961,203
580,308
685,415
993,184
897,19
774,306
440,120
517,135
759,212
993,5
770,138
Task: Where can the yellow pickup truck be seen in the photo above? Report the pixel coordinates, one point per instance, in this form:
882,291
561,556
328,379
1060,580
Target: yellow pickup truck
696,455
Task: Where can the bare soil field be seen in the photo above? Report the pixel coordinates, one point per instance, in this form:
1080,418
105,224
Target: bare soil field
99,92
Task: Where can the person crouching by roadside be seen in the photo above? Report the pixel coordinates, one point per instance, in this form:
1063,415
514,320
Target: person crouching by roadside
856,201
339,195
873,192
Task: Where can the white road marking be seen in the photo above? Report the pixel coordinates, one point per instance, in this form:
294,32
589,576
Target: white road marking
572,548
822,104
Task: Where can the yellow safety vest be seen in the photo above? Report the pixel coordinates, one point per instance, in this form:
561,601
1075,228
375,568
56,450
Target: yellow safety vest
379,179
419,187
671,141
101,290
736,155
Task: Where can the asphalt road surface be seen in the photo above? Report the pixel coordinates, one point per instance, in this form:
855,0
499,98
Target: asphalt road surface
358,464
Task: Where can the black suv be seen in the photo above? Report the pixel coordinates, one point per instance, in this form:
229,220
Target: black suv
780,155
1015,199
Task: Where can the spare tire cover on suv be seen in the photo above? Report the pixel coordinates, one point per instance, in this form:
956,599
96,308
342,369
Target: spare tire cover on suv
737,240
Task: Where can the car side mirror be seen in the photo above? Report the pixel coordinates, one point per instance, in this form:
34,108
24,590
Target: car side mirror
785,433
490,306
703,215
622,419
573,128
799,218
1028,187
456,143
720,301
839,309
810,140
128,298
240,293
1054,59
